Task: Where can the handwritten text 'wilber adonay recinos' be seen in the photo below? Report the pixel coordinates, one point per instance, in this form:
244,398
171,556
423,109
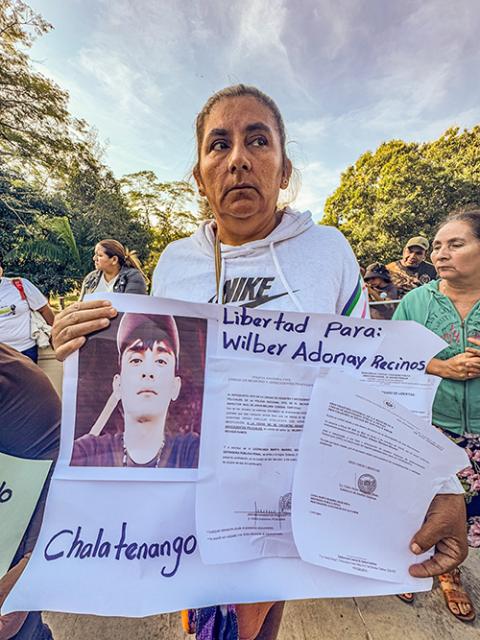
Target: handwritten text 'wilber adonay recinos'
70,544
253,342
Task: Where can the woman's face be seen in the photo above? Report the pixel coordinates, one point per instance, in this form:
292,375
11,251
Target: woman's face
456,252
241,167
102,261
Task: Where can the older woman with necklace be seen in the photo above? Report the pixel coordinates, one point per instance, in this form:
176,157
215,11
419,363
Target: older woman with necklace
257,253
450,307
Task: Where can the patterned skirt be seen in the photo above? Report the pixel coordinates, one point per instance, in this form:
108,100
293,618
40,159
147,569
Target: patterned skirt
470,479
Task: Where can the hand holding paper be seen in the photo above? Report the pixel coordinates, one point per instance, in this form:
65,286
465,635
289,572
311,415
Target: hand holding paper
444,528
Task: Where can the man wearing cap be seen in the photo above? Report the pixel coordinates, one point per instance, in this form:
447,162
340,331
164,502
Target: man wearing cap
380,289
148,381
412,270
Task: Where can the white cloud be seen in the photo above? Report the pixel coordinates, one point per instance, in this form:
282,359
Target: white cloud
307,129
317,183
119,81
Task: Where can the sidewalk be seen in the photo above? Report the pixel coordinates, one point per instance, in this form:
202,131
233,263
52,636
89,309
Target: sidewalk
385,618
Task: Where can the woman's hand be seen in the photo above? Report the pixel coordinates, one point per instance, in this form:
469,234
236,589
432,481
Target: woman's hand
460,367
472,350
444,529
77,321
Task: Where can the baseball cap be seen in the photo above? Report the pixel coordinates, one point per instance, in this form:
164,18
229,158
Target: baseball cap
418,241
377,270
146,326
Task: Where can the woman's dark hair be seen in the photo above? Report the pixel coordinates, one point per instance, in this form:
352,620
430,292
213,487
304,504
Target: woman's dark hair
125,257
469,214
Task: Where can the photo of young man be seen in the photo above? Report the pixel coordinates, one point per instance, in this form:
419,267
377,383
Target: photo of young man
146,386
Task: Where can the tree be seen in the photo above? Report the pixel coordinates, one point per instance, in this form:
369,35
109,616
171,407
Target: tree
99,210
402,190
163,206
57,198
35,238
55,242
36,128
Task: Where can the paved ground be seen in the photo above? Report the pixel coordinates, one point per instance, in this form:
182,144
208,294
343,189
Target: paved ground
385,618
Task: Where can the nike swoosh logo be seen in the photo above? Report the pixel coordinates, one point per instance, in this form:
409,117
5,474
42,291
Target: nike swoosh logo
263,300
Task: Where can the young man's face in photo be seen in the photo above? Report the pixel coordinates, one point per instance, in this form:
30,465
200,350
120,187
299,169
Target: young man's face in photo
147,382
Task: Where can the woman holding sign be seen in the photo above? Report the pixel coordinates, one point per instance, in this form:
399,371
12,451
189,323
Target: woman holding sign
450,307
254,253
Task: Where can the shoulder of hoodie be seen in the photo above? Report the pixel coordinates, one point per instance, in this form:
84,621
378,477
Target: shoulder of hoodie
321,233
183,246
323,243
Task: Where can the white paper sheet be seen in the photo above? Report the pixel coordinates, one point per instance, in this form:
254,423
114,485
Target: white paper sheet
255,412
415,392
366,473
156,513
246,465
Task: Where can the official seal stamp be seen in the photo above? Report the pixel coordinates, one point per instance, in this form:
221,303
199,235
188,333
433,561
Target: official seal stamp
367,483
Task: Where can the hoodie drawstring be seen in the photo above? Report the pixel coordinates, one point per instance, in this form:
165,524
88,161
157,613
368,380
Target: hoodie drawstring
289,289
219,271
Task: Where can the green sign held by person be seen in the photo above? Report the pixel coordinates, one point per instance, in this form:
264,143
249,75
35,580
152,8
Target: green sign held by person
21,482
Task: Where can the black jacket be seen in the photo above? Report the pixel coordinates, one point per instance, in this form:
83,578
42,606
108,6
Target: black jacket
129,280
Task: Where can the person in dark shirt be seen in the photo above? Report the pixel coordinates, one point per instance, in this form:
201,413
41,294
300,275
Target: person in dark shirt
30,413
148,350
412,270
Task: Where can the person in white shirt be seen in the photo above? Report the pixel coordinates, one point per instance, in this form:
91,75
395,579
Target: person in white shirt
18,298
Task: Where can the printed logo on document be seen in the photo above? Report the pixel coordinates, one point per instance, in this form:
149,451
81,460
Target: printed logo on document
367,483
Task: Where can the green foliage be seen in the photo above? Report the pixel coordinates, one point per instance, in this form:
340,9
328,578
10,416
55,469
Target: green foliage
34,235
99,210
162,206
55,243
50,239
402,190
36,129
57,198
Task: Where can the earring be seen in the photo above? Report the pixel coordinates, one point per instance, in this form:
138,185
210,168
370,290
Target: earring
284,183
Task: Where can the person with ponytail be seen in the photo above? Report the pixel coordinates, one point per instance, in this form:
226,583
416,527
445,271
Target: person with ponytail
117,270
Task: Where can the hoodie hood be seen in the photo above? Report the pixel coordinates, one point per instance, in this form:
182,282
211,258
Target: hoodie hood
292,224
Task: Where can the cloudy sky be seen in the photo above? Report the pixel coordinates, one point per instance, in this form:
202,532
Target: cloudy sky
346,74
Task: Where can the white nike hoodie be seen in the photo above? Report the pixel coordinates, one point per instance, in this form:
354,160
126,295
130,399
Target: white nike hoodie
300,266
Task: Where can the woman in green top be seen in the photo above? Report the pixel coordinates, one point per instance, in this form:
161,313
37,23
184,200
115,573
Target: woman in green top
450,307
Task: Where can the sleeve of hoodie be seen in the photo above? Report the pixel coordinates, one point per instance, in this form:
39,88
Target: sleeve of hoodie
353,298
159,276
